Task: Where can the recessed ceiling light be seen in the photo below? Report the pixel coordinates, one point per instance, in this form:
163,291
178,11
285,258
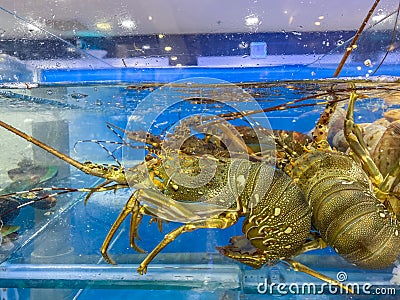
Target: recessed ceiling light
128,24
252,20
378,18
32,27
103,26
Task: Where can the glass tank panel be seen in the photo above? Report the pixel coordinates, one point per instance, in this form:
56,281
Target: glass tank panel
187,150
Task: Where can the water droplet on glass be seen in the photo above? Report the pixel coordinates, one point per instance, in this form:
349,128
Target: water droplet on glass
368,63
75,95
243,45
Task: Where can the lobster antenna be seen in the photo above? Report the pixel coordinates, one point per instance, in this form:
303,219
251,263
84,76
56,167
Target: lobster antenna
391,47
36,190
80,166
353,43
132,136
100,143
45,147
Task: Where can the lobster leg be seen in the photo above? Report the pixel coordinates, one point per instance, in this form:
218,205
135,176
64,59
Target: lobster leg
391,179
131,206
355,140
136,218
220,222
101,185
168,209
299,267
241,250
314,244
382,186
173,210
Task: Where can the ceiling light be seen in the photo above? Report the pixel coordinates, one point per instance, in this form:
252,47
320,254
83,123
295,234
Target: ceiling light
128,24
103,26
378,18
252,20
32,27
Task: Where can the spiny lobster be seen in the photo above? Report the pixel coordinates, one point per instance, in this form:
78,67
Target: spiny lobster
277,218
355,219
349,197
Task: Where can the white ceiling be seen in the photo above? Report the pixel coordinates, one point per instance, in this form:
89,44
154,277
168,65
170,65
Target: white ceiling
67,18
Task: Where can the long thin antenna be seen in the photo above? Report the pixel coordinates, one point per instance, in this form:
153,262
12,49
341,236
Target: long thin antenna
353,43
391,41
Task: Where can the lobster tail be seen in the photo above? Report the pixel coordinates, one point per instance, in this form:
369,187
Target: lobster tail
345,210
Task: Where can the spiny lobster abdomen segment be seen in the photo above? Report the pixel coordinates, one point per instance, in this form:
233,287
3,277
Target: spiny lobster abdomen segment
345,210
280,222
330,200
377,242
315,167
